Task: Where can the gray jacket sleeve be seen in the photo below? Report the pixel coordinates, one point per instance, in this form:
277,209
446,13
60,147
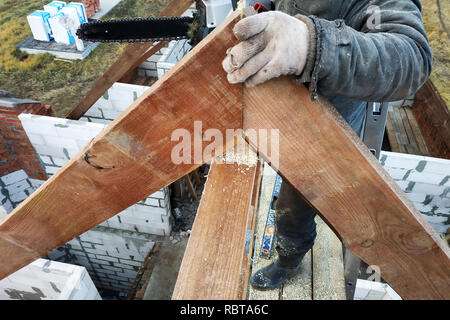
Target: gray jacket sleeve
359,59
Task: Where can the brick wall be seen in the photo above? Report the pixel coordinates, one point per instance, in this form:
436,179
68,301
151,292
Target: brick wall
111,256
16,151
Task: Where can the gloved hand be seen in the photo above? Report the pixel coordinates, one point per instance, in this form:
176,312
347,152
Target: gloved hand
272,44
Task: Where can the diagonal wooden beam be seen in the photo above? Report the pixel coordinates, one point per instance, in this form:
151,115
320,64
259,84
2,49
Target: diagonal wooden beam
329,166
318,154
133,56
215,257
131,158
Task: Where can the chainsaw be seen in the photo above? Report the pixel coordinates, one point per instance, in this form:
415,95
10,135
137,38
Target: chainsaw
208,15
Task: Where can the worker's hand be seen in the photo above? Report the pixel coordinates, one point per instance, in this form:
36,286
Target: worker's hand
272,44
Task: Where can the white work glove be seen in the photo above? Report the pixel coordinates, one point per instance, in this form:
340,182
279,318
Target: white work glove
272,44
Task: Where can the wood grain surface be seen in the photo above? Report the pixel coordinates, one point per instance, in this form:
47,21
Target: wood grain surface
131,158
330,167
215,255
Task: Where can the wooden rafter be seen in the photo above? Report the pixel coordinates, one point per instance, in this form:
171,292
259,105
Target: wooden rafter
329,166
215,260
318,154
131,158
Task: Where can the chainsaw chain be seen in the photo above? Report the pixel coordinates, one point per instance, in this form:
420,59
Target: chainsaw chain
125,21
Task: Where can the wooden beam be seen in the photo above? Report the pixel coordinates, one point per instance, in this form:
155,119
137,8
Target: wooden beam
329,166
215,255
128,60
318,154
132,157
433,117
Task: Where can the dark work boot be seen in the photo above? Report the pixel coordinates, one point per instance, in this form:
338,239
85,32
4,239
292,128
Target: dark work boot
276,273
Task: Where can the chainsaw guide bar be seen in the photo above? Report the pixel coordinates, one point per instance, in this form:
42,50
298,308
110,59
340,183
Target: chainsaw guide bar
137,29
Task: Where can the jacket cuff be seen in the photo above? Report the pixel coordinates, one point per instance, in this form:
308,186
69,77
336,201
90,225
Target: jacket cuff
305,76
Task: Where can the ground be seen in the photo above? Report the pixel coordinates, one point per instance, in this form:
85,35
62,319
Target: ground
57,82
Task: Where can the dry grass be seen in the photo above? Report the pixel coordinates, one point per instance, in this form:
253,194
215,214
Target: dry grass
58,83
61,84
437,24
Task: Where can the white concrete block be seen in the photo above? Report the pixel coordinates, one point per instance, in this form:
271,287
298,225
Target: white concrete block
94,111
396,173
110,114
160,194
18,186
148,210
131,262
51,281
49,150
100,121
152,202
151,73
35,126
6,208
438,166
60,161
426,188
59,142
371,290
14,177
431,178
416,197
400,160
35,138
18,197
149,65
51,169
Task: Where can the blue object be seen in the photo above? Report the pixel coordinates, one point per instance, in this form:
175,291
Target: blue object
269,229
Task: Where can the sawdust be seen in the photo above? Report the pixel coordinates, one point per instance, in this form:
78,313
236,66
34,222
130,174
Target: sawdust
241,154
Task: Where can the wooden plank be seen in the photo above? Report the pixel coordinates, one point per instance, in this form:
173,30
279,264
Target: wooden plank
190,187
433,117
416,132
399,134
412,147
391,135
127,61
327,163
215,255
250,233
131,158
328,265
318,155
145,268
400,127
